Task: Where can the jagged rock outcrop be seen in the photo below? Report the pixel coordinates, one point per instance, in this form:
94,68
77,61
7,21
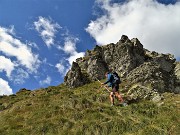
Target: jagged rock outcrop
122,57
177,74
148,72
75,77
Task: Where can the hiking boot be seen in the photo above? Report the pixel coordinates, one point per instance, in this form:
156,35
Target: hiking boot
124,104
112,105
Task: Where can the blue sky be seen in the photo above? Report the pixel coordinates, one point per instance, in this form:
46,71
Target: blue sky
39,39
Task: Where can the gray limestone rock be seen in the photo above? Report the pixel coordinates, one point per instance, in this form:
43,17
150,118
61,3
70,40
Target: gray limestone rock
149,73
177,74
75,77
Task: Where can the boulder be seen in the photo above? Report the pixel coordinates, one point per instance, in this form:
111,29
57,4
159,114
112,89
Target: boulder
138,92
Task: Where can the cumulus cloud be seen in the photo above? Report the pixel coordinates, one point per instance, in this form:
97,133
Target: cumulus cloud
47,81
13,47
5,89
70,49
47,29
75,56
6,65
61,68
156,25
70,45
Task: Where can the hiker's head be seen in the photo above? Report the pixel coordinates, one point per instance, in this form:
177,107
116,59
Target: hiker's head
109,71
106,74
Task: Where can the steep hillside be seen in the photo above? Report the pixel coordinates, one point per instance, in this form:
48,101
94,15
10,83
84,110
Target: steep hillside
85,111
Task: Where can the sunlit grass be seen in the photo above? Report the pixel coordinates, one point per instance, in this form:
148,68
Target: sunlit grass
85,110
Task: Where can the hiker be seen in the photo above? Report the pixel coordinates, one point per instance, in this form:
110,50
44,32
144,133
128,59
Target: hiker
111,81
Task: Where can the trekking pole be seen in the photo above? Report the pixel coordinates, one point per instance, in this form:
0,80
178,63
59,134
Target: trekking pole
104,86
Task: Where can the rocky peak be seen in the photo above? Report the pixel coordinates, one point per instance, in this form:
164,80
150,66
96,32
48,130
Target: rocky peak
131,61
75,77
124,39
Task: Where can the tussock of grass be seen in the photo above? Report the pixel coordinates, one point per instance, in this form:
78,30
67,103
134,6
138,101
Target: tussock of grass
85,111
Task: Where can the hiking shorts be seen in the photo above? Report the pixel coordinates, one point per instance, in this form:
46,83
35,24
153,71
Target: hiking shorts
115,88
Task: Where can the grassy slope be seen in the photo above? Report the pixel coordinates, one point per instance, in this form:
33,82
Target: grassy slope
85,110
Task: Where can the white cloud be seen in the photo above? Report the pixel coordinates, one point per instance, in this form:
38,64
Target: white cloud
156,25
32,45
47,29
70,49
6,65
75,56
19,75
5,89
13,47
61,68
46,81
70,45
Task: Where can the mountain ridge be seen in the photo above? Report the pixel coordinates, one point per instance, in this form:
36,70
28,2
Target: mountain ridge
146,71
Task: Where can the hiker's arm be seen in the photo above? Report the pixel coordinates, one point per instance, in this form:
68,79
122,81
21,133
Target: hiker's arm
108,79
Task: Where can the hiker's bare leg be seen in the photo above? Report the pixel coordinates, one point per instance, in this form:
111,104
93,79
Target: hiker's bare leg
111,96
119,97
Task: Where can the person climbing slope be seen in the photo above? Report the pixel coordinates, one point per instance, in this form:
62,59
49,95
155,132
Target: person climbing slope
113,81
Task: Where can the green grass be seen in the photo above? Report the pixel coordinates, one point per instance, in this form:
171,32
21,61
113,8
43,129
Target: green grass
85,111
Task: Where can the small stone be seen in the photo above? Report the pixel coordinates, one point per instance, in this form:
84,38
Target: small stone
156,99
